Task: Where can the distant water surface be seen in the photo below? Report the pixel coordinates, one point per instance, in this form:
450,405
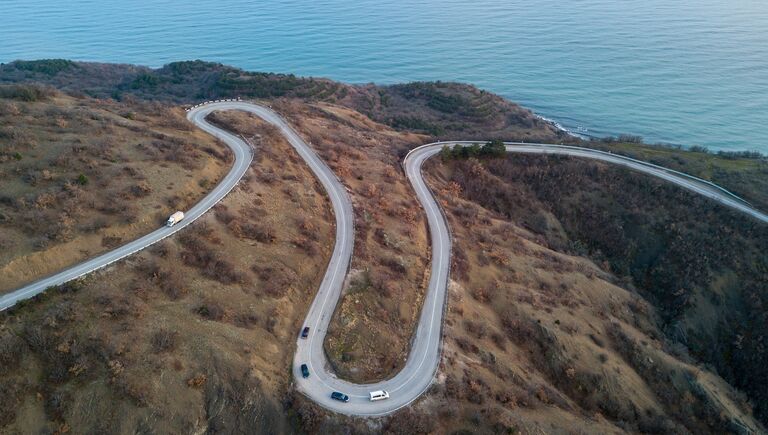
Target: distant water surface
679,71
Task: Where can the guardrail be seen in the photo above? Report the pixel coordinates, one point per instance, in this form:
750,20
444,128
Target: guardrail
227,100
607,153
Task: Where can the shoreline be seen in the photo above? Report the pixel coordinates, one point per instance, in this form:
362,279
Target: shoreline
560,127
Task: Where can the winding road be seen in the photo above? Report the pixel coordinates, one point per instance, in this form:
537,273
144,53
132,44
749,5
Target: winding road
243,157
422,362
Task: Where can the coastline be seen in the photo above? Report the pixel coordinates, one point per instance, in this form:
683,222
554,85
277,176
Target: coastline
559,126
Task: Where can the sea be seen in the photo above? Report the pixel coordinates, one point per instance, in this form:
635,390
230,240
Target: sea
688,72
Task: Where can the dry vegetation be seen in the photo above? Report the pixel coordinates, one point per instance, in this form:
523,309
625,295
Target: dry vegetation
547,330
437,109
194,335
369,336
81,176
539,338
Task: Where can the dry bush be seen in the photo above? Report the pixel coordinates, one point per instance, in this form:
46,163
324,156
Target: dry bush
246,320
499,340
252,231
483,294
10,392
161,249
164,340
395,265
210,310
466,345
172,283
308,229
459,264
223,214
140,189
476,329
39,340
118,306
308,246
267,177
276,281
409,422
11,350
56,405
197,254
111,241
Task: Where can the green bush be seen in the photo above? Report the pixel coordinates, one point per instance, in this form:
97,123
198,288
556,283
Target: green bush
48,67
145,80
493,149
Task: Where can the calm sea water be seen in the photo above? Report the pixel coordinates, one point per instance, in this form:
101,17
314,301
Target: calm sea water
679,71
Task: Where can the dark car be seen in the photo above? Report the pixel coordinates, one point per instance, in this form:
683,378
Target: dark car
304,371
341,397
305,332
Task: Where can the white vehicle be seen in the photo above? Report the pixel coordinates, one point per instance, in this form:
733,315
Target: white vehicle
175,218
379,395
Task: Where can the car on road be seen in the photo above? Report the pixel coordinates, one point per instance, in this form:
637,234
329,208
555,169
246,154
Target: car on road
305,332
304,371
379,395
341,397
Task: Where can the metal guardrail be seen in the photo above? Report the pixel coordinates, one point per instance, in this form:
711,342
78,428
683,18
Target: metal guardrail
594,150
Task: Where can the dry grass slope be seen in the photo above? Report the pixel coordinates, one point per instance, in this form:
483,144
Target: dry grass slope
81,176
194,335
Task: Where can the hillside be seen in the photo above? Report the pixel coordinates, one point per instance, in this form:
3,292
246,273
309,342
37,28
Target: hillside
447,110
191,335
583,298
689,274
82,175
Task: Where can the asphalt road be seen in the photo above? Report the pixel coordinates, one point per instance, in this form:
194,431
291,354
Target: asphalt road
420,368
243,156
422,362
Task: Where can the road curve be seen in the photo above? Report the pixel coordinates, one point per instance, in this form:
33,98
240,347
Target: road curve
422,362
243,157
420,367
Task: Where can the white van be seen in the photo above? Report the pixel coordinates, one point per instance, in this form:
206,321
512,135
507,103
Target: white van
379,395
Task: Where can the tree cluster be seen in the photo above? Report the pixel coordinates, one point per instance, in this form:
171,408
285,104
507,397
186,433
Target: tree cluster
491,149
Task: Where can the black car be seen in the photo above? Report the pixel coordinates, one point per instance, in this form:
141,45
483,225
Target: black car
305,332
341,397
304,371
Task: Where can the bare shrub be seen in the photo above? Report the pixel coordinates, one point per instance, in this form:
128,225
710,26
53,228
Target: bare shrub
210,310
499,340
111,241
253,231
308,229
276,281
409,422
200,256
307,245
223,214
172,284
395,265
477,329
120,306
161,249
164,340
9,401
11,350
56,404
141,189
459,264
466,345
